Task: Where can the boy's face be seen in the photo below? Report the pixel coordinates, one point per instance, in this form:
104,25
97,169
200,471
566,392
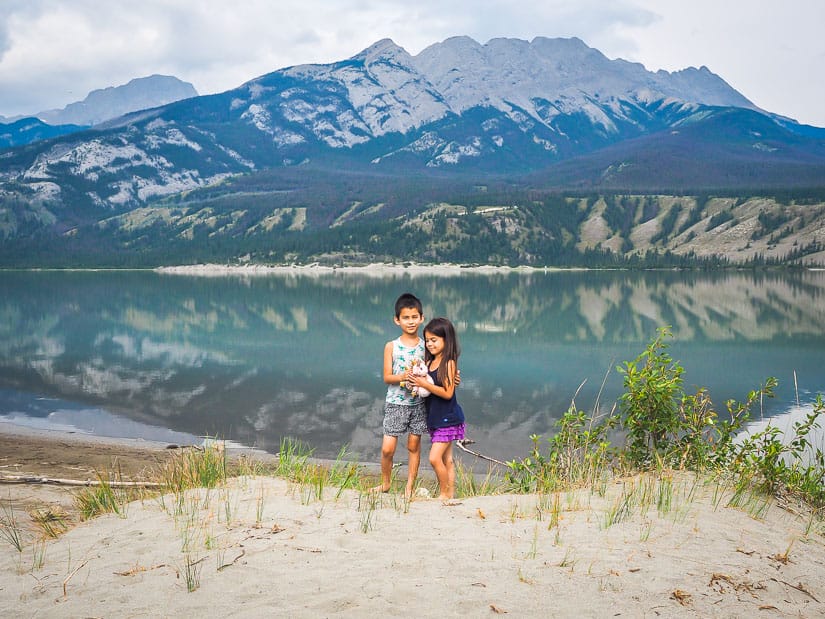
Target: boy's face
409,319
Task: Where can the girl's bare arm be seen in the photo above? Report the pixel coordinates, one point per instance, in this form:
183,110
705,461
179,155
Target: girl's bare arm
445,392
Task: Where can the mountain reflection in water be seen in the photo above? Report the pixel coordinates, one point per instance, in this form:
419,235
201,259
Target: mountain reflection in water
254,359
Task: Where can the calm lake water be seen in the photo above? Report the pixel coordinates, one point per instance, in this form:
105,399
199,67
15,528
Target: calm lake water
254,359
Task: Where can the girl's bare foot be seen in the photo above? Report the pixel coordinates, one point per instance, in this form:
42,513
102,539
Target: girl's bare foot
379,488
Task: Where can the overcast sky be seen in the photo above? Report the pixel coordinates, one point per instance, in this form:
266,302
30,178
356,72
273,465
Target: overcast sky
53,52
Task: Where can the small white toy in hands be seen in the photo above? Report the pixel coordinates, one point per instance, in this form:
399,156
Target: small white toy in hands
419,368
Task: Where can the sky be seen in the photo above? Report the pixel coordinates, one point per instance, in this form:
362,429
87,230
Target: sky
54,52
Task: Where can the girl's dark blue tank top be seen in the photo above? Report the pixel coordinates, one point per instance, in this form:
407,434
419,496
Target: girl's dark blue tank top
442,413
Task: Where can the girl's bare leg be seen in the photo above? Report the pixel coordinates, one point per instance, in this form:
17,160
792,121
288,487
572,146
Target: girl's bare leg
437,452
450,465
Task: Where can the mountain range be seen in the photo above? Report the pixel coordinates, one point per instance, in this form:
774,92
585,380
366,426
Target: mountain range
548,114
30,129
107,103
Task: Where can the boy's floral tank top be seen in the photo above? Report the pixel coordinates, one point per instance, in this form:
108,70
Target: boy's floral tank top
402,357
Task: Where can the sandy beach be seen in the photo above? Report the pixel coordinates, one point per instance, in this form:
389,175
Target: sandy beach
262,546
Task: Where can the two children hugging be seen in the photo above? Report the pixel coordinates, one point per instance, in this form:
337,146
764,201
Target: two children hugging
408,413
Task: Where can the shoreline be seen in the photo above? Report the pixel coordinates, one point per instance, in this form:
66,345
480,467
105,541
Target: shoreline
12,432
413,268
36,452
374,269
381,269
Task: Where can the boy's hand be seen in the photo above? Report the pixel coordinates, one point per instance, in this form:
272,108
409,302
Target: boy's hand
457,377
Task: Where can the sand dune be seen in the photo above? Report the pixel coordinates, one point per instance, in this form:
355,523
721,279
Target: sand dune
264,547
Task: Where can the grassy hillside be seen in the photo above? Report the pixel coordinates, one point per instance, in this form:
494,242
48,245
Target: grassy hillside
430,220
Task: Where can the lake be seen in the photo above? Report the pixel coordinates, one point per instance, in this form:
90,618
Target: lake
256,358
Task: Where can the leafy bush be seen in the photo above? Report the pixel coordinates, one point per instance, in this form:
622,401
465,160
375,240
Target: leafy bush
649,406
663,427
579,453
789,463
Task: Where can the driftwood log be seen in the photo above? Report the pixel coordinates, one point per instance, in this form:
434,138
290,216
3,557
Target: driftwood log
56,481
32,479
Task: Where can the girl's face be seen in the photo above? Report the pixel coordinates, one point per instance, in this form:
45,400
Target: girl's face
434,343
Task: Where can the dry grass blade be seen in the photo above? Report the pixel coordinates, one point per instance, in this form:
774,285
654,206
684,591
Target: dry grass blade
800,587
785,557
233,561
69,577
717,582
10,528
137,569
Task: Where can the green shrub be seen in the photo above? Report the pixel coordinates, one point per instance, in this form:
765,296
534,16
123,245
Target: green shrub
579,453
663,427
776,462
649,406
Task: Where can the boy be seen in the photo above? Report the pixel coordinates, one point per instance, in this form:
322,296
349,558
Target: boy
404,413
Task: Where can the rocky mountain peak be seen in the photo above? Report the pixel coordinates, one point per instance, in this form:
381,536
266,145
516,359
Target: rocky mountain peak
385,49
107,103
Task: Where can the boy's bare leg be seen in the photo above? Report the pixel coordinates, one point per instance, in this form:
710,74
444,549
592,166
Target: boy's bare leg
414,447
387,453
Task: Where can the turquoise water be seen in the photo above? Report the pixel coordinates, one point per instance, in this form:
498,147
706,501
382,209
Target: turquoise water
254,359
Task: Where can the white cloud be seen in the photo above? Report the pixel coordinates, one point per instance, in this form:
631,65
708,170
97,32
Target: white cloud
770,51
53,52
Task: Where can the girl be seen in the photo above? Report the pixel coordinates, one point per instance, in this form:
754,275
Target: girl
445,419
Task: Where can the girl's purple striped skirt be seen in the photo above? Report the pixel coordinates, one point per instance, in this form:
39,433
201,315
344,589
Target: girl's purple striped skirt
447,435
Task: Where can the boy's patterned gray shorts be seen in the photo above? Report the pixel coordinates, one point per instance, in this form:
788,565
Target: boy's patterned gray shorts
399,419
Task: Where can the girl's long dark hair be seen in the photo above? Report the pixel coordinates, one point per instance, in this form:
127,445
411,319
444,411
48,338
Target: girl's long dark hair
444,329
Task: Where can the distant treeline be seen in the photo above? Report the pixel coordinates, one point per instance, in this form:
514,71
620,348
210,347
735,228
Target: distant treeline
355,217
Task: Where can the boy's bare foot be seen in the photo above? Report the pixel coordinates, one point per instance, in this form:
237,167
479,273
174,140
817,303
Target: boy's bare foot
379,488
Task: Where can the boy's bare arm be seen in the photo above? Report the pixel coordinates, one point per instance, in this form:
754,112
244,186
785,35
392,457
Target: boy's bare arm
389,377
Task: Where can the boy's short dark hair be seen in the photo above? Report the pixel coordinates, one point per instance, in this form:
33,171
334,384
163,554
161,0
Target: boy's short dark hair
408,300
